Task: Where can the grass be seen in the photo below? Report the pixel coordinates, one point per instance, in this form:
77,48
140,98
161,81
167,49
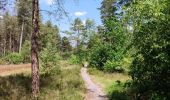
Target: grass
64,85
112,83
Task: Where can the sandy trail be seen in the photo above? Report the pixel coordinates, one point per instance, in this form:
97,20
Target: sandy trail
94,91
6,70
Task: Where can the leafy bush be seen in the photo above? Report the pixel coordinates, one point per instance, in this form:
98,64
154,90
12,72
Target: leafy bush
74,59
99,57
150,69
49,61
112,66
102,53
14,58
118,91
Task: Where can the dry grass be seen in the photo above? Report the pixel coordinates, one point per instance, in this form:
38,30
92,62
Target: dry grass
64,85
6,70
64,64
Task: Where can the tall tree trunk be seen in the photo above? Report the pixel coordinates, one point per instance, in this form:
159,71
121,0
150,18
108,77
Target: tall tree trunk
34,49
21,36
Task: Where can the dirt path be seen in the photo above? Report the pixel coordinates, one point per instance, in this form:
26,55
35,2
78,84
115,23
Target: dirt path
94,91
14,69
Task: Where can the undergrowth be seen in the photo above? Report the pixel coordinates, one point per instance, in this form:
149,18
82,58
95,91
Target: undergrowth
65,85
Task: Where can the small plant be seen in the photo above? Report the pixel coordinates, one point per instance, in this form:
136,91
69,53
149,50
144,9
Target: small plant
14,58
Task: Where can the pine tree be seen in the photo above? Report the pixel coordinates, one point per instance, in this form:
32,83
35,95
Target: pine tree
34,49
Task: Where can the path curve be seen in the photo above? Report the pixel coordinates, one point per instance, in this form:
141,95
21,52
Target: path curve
94,92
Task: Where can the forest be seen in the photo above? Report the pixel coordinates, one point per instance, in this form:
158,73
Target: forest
126,57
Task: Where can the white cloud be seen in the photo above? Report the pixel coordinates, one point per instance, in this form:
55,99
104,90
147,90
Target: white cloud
50,2
80,13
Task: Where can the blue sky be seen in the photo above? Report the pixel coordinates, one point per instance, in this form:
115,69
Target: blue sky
83,9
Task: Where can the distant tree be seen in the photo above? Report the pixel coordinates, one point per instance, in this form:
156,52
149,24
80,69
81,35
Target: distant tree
107,9
10,33
89,30
51,36
66,47
78,27
24,12
110,39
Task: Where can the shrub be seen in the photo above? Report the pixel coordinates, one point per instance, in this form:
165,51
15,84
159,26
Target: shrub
113,66
118,91
150,68
74,59
14,58
102,53
48,60
99,57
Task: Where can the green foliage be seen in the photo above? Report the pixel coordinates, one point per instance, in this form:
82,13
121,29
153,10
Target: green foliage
51,36
118,91
66,45
150,69
118,66
74,59
25,52
49,47
99,57
111,66
49,61
108,52
17,58
14,58
105,53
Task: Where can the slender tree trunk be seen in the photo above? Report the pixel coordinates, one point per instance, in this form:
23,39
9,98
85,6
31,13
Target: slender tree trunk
34,49
21,36
13,44
78,41
4,46
10,42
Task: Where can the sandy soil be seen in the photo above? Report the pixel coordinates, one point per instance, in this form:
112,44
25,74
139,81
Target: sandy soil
14,69
94,91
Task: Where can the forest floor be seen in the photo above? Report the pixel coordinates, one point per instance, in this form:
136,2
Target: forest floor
67,84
